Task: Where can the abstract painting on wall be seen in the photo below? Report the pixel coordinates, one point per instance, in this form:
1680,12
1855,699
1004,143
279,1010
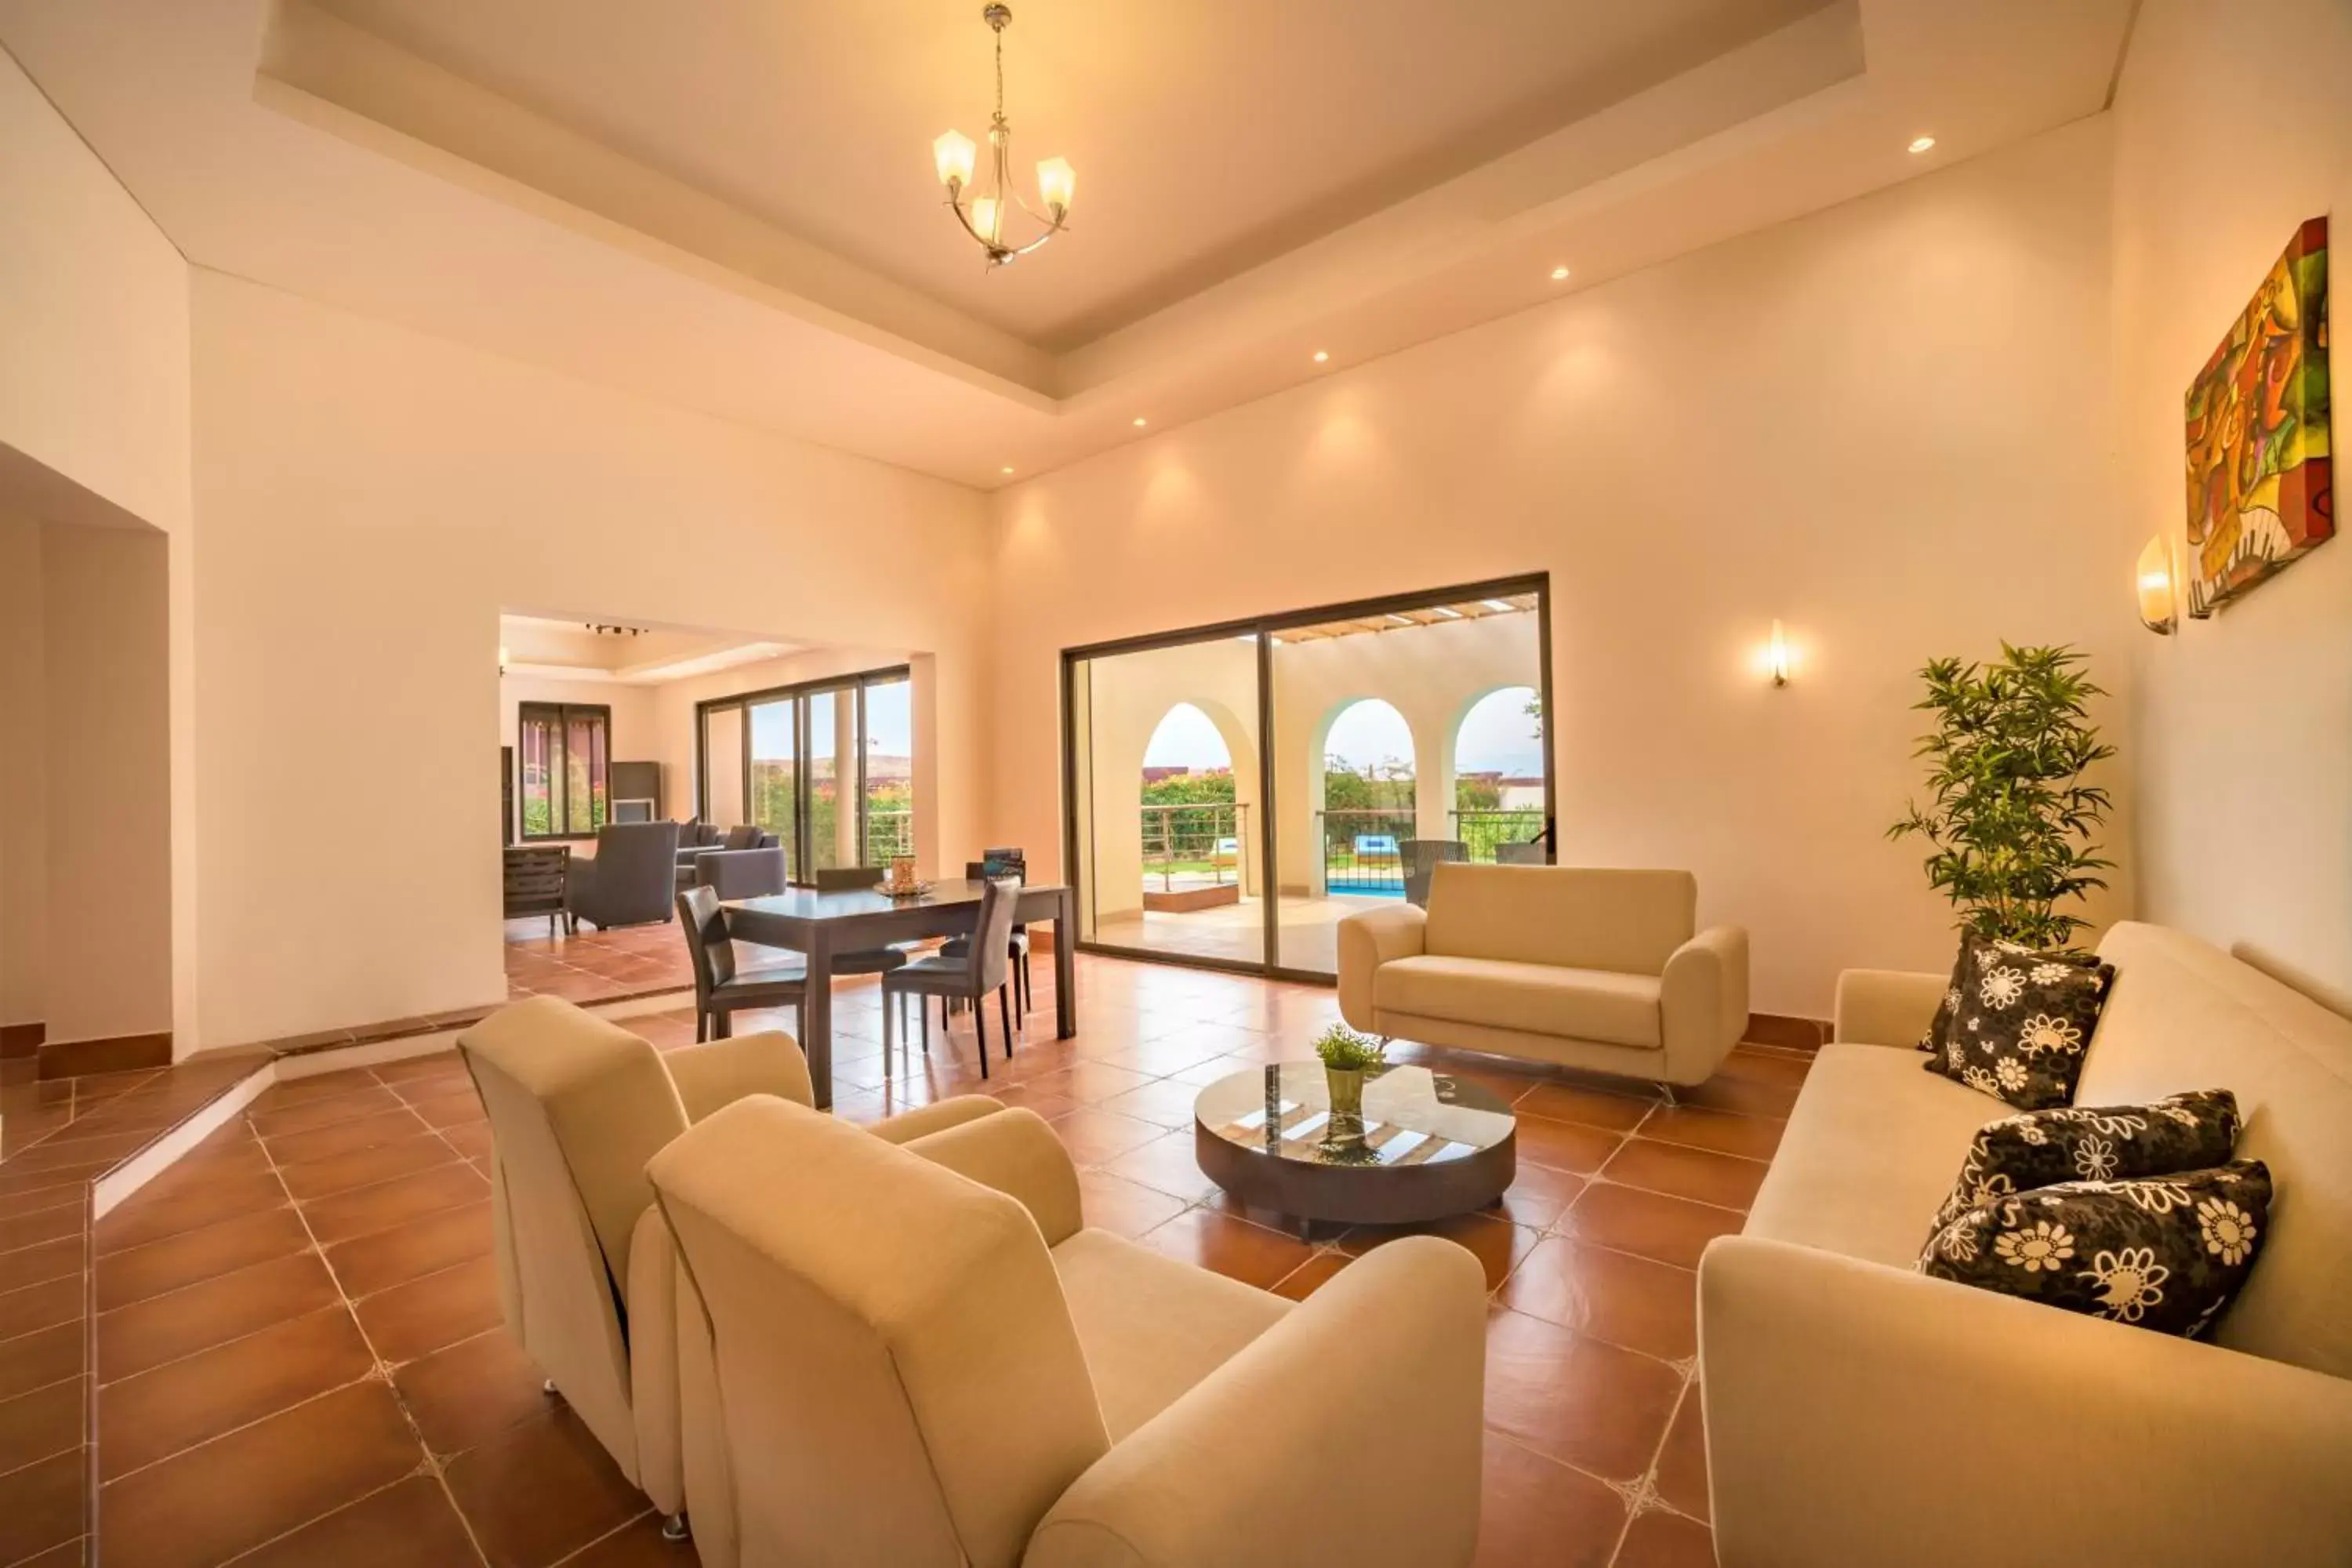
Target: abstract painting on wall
2258,448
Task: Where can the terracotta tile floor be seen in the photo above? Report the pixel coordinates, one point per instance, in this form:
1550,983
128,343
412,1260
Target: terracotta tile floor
299,1353
57,1137
594,966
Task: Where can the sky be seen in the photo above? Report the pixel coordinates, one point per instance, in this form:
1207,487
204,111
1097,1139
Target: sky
1497,735
889,723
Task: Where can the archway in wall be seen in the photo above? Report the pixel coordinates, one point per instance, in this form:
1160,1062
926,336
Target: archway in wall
1193,822
1365,797
1498,773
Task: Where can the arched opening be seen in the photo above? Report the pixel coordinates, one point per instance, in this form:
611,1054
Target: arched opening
1366,799
1498,773
1192,833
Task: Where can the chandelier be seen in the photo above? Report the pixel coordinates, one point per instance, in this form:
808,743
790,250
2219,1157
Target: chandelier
983,216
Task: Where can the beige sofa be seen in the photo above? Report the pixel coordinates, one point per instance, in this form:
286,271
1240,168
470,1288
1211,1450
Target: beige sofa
585,1267
922,1356
1858,1411
1602,970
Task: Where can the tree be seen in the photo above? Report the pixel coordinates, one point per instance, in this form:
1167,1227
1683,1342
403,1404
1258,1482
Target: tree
1384,785
1472,794
1189,789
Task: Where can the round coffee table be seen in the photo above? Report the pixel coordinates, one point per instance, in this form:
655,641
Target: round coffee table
1432,1145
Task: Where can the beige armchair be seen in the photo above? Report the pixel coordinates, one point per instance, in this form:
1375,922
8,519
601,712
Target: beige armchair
587,1272
930,1360
1602,970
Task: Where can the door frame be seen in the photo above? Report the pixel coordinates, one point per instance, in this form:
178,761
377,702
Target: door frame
1262,628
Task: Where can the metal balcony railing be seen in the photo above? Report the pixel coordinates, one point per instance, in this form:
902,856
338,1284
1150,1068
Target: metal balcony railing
888,833
1360,850
1480,831
1194,846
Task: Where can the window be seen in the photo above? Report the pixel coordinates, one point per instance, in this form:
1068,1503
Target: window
886,718
566,758
826,766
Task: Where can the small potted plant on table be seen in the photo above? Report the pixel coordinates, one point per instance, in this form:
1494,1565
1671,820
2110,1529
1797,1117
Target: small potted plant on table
1347,1058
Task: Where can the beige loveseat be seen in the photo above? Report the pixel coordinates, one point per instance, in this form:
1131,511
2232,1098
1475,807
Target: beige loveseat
1858,1411
923,1356
1602,970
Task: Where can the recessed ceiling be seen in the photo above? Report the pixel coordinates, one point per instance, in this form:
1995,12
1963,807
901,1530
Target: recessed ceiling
554,649
1209,136
729,207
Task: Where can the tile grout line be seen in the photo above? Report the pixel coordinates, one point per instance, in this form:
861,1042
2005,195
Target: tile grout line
628,1524
428,1463
1644,1499
261,1546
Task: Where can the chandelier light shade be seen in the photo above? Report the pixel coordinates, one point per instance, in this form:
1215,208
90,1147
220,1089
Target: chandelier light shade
983,216
953,151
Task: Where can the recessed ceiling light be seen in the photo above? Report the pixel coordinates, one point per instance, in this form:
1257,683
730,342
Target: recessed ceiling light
1005,470
1140,422
1448,611
1497,604
1559,274
1921,143
1321,356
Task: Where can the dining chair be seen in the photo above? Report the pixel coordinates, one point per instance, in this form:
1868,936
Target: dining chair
969,977
1025,985
721,989
866,960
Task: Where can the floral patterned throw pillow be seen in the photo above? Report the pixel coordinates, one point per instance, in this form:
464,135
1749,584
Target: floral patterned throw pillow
2190,1132
2167,1253
2022,1021
1939,1028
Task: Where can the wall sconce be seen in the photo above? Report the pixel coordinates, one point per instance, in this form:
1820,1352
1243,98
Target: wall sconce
1776,656
502,659
2159,609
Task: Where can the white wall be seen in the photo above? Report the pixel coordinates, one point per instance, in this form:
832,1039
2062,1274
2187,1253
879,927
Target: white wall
24,776
94,312
1883,425
2231,128
371,500
106,668
94,428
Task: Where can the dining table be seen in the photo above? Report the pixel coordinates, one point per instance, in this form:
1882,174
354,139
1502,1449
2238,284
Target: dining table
819,925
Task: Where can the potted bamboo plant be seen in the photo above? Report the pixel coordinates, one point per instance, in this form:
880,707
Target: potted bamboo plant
2009,818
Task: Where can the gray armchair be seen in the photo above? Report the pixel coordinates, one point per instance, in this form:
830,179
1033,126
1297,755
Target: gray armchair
632,880
698,839
742,873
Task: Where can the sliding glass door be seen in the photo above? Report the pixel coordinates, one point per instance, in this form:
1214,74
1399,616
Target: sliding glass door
887,724
826,766
773,731
1236,791
1168,777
